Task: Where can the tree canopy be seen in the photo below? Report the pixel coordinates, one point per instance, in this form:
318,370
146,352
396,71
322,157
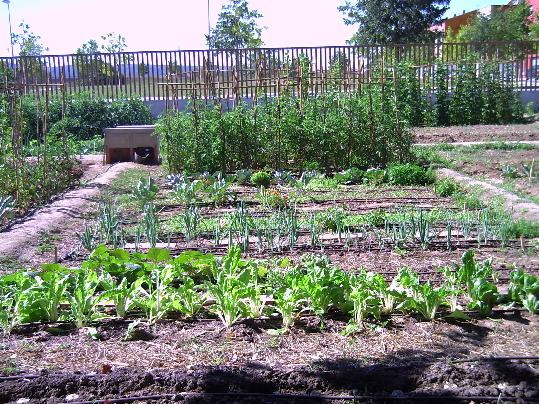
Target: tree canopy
236,27
28,42
500,25
393,21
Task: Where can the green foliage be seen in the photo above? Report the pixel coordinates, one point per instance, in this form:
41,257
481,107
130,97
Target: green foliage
29,43
500,25
331,131
409,174
236,27
447,187
524,290
145,190
6,206
364,298
160,285
349,177
396,22
83,297
375,176
261,179
85,116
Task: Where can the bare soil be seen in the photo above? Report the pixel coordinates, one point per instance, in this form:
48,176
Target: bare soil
406,357
519,207
487,164
190,360
58,221
475,133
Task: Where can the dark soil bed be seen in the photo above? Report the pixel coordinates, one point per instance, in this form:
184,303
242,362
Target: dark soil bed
409,360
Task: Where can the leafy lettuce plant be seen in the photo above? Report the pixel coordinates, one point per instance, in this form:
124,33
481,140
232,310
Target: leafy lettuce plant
364,298
229,288
145,190
186,299
15,306
524,290
50,290
122,293
83,297
156,298
427,299
483,296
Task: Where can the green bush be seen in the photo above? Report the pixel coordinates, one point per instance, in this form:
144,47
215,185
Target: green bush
130,111
351,176
428,156
375,176
328,132
85,116
409,174
447,187
261,179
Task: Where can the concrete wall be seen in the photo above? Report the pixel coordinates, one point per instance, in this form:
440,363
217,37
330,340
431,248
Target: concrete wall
158,106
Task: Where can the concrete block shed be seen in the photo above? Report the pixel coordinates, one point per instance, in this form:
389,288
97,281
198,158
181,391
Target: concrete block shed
137,143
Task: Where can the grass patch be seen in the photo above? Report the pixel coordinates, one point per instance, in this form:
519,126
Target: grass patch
450,147
10,265
126,180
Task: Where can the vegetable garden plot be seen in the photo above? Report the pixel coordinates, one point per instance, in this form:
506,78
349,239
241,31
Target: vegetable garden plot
203,308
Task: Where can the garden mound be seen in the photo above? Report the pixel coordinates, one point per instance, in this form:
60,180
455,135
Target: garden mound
478,133
420,378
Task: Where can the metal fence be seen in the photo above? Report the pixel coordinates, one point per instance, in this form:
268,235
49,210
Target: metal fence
251,72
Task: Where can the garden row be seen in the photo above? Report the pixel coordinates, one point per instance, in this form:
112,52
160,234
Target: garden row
281,218
154,286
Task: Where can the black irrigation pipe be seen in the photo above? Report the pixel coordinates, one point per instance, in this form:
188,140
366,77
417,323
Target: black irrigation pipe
285,396
495,359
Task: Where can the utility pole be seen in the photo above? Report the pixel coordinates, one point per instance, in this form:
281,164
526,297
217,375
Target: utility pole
10,32
209,26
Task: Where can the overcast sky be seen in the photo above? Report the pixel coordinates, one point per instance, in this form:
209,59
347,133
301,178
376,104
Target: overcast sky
177,24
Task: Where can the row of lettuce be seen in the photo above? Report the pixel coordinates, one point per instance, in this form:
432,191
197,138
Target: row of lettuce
155,286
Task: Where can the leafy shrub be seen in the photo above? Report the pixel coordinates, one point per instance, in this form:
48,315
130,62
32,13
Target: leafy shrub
509,171
85,115
328,132
468,201
427,156
261,179
375,176
447,187
130,111
351,176
409,174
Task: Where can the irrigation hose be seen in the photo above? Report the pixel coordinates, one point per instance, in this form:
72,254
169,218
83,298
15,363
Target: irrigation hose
284,396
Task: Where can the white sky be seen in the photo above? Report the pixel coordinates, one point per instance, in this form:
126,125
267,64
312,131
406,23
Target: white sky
177,24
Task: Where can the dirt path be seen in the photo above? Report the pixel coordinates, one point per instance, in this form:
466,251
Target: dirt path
62,216
474,133
534,143
519,207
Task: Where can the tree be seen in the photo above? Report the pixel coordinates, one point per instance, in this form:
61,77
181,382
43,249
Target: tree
393,21
501,25
28,42
91,66
88,48
114,43
236,27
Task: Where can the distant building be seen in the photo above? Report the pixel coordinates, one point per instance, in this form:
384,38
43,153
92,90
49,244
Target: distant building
456,22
